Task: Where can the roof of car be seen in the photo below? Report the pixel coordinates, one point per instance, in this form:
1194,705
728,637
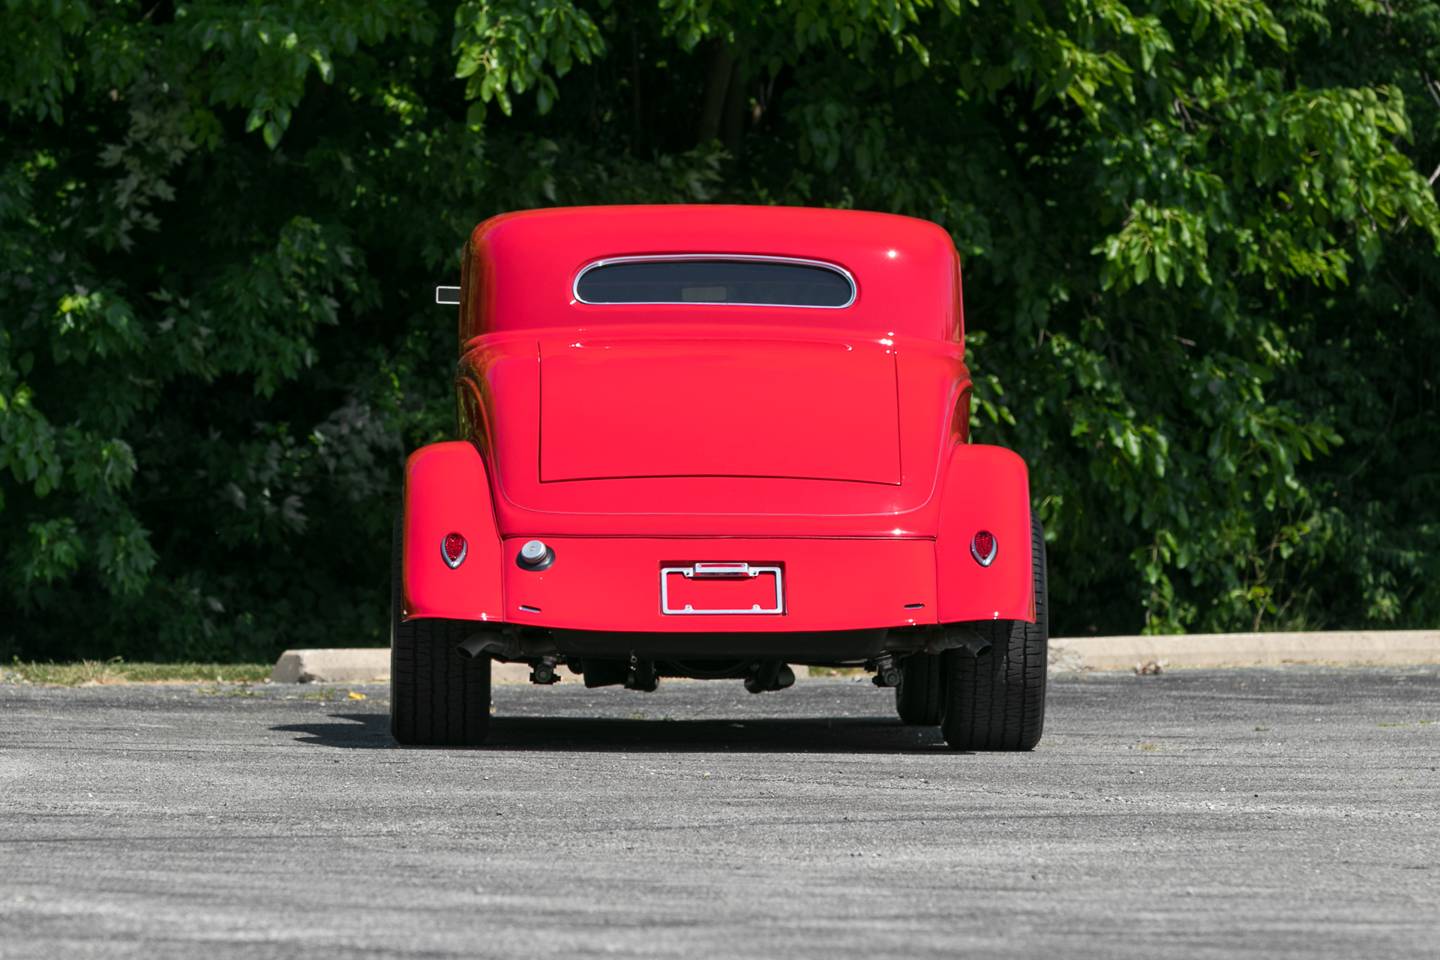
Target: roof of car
905,269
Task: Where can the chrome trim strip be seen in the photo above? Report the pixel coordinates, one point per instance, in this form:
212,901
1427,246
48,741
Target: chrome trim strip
721,570
742,257
690,573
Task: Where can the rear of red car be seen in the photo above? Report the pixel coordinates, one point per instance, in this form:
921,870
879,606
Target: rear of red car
715,441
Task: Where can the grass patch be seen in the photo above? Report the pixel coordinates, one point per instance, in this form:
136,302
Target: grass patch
228,690
88,672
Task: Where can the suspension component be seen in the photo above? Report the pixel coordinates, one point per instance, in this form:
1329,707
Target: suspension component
887,671
543,671
766,675
641,675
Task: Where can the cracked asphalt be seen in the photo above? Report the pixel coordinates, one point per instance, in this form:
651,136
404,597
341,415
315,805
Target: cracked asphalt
1193,814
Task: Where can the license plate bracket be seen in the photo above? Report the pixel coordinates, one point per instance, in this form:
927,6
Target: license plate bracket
722,587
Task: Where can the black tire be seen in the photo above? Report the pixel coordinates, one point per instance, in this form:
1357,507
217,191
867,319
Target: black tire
438,696
996,701
920,697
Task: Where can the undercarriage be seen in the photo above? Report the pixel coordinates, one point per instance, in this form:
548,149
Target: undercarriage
638,661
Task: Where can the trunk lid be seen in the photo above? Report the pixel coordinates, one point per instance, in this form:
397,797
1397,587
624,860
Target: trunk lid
787,408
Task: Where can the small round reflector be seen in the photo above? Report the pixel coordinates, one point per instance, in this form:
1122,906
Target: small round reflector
453,548
983,547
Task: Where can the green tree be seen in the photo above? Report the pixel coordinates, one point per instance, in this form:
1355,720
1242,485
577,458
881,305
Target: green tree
1201,273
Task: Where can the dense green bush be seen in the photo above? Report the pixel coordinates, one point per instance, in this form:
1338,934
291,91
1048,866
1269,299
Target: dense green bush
1200,244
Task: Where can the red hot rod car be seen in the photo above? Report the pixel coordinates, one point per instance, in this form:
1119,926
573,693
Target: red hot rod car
708,441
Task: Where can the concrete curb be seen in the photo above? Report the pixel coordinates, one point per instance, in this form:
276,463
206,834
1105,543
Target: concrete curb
355,665
362,665
1073,654
1211,650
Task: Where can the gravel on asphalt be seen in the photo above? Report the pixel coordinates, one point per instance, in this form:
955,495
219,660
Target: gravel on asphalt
1281,813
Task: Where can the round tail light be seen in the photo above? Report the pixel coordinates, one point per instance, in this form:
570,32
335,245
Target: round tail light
453,548
983,547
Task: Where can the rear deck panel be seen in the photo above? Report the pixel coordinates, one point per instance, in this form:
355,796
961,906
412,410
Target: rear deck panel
614,584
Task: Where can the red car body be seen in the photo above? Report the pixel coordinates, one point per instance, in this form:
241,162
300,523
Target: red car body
825,447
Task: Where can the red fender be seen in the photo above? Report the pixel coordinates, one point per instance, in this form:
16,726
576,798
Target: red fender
447,491
986,488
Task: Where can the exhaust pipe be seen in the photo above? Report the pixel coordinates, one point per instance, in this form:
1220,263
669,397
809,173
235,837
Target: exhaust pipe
485,644
475,646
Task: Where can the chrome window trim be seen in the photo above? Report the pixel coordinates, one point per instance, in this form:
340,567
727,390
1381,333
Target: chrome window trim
741,257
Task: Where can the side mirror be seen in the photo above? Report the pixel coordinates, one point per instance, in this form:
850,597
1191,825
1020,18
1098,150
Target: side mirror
448,296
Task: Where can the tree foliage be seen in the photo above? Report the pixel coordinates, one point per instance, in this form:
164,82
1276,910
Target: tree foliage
1202,259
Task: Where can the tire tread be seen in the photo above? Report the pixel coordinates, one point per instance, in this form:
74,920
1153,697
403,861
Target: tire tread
996,700
920,697
438,696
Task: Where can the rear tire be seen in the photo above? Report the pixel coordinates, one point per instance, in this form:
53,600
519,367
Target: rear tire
996,701
438,696
920,697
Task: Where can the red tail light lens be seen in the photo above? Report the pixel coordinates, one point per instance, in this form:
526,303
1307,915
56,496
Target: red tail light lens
983,547
452,548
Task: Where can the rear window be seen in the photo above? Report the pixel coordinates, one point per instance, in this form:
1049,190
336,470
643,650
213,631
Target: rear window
747,282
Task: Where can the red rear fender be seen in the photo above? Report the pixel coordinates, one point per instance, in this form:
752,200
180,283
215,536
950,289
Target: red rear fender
986,489
447,491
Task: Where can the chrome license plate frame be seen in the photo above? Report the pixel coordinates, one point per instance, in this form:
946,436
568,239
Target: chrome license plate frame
707,570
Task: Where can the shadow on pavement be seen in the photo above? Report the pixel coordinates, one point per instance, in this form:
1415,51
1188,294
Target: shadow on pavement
798,735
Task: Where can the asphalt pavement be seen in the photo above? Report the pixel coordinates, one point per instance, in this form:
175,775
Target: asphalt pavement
1285,813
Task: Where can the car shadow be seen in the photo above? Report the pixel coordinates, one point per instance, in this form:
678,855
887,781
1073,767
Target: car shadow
371,731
